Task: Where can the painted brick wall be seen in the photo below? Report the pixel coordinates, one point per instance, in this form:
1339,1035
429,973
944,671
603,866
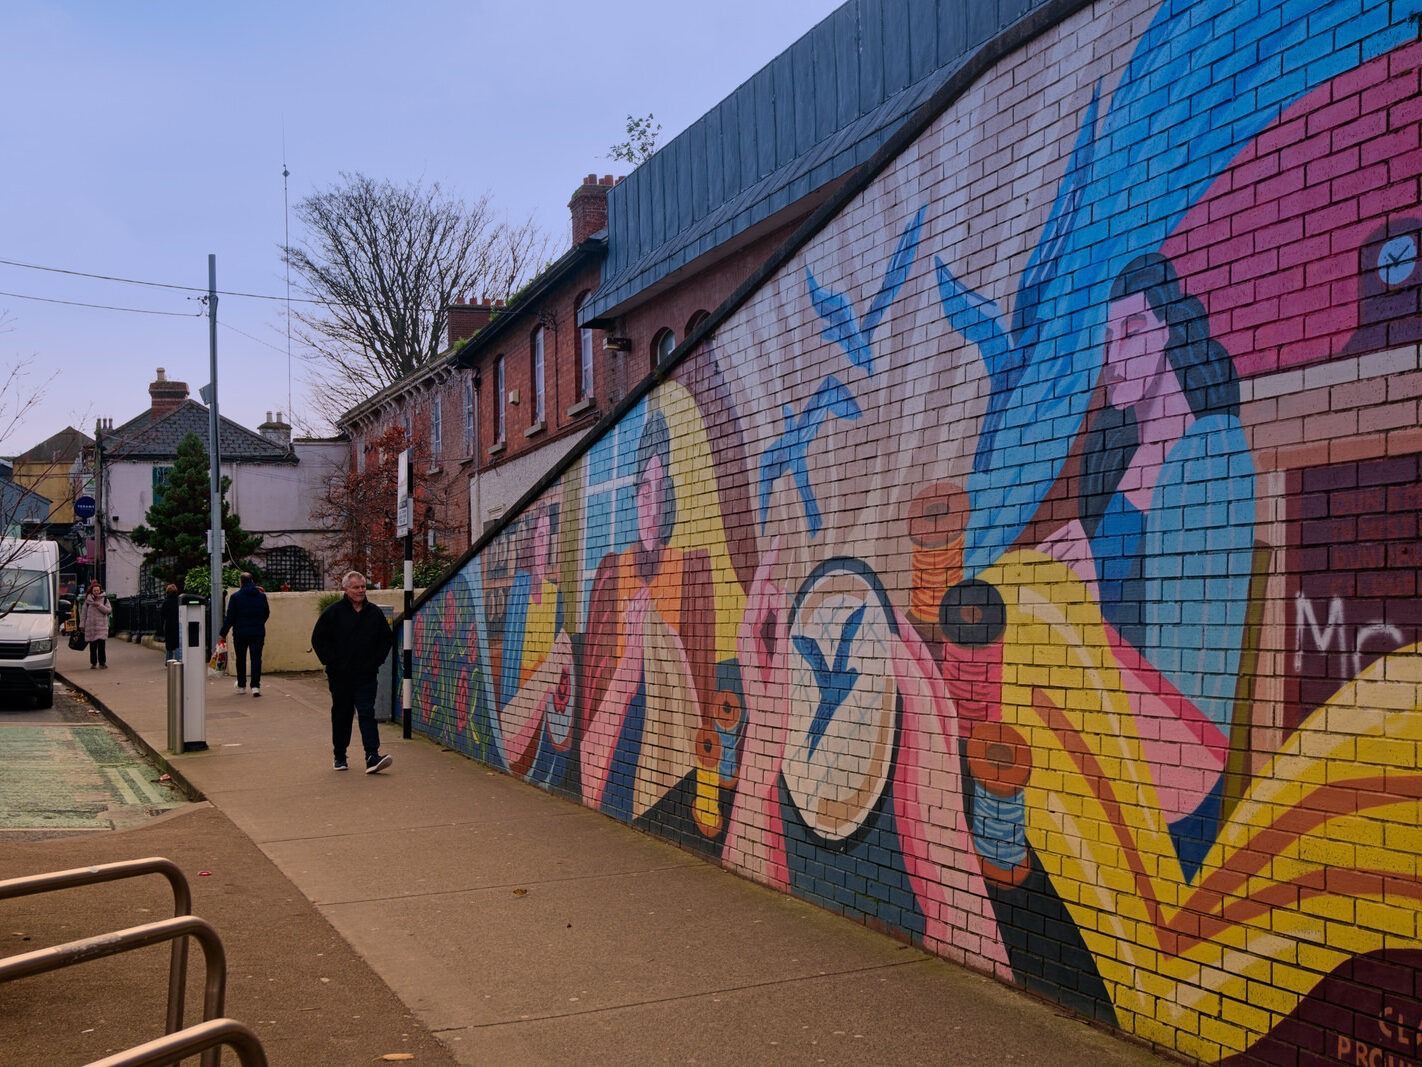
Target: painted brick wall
1028,567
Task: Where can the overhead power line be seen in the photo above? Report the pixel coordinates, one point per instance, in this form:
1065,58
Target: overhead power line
102,307
251,337
288,299
137,281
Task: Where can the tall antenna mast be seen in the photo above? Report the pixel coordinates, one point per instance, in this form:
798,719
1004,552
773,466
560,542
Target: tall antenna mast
286,257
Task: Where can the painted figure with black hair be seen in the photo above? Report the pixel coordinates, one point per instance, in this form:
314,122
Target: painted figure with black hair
1167,488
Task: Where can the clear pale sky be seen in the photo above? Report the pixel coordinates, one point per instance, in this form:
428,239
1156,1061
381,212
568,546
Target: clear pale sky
139,137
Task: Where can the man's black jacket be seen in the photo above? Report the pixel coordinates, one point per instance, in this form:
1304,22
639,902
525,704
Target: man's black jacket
352,644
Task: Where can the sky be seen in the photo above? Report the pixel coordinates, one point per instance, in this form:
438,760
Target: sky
139,138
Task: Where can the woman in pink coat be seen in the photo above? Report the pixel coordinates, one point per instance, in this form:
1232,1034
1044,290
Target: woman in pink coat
94,621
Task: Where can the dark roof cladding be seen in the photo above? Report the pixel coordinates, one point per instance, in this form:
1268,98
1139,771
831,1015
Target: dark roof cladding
808,117
144,438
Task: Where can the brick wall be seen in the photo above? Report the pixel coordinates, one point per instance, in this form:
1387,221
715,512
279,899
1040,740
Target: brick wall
1028,568
564,408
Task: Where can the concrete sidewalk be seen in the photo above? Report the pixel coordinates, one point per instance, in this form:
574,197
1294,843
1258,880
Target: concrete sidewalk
522,928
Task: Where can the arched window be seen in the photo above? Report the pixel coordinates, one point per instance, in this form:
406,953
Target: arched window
662,347
697,318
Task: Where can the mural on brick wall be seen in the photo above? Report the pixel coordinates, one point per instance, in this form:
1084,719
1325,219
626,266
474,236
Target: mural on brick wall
1029,567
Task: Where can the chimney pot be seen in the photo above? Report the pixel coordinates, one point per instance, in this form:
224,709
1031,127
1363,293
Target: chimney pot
165,396
588,207
465,320
275,431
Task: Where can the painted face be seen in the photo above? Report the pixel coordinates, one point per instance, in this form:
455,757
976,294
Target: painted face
649,503
355,589
1135,352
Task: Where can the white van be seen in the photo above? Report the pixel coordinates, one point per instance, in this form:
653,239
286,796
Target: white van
30,613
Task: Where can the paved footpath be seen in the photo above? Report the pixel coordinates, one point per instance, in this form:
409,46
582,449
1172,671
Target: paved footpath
518,927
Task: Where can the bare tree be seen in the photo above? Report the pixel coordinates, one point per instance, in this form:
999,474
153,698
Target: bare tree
383,263
359,512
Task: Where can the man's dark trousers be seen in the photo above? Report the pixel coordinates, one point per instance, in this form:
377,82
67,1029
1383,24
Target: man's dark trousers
241,647
353,699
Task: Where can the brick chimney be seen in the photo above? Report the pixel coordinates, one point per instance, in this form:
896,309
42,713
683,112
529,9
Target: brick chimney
276,431
589,206
166,396
465,319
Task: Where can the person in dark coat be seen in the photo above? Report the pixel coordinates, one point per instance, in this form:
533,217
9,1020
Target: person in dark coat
246,618
352,639
168,618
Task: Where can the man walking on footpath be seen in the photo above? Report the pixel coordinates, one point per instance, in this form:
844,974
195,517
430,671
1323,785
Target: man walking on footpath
247,614
352,639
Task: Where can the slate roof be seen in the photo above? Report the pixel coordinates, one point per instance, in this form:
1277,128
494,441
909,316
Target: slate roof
808,118
143,438
65,446
20,505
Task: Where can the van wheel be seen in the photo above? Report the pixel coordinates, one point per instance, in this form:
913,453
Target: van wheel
46,697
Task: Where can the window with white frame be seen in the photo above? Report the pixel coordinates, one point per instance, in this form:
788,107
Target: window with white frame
501,398
662,347
538,375
436,429
468,415
585,360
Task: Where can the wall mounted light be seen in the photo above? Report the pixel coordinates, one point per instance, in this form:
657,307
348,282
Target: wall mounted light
617,344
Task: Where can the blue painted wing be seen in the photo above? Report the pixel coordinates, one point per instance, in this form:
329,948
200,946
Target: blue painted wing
1041,268
831,398
894,276
841,326
977,319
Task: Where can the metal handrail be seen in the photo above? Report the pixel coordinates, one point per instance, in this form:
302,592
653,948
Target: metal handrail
111,872
172,1048
44,960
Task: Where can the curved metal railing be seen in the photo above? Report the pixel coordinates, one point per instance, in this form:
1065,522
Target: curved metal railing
112,872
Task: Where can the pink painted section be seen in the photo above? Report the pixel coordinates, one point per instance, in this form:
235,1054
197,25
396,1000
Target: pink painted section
1275,246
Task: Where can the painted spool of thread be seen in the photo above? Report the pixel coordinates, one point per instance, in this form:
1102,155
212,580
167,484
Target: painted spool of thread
973,618
1000,763
938,517
707,806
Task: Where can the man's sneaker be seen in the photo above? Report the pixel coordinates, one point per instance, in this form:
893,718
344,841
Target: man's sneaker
241,688
256,692
377,763
341,764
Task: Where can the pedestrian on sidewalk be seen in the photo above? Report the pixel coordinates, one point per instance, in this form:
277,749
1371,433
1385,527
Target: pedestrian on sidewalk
168,616
94,621
246,618
352,639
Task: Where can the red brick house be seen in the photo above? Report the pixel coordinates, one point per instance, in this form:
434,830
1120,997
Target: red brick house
518,384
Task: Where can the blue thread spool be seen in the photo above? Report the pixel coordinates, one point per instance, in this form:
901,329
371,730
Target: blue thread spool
1000,763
